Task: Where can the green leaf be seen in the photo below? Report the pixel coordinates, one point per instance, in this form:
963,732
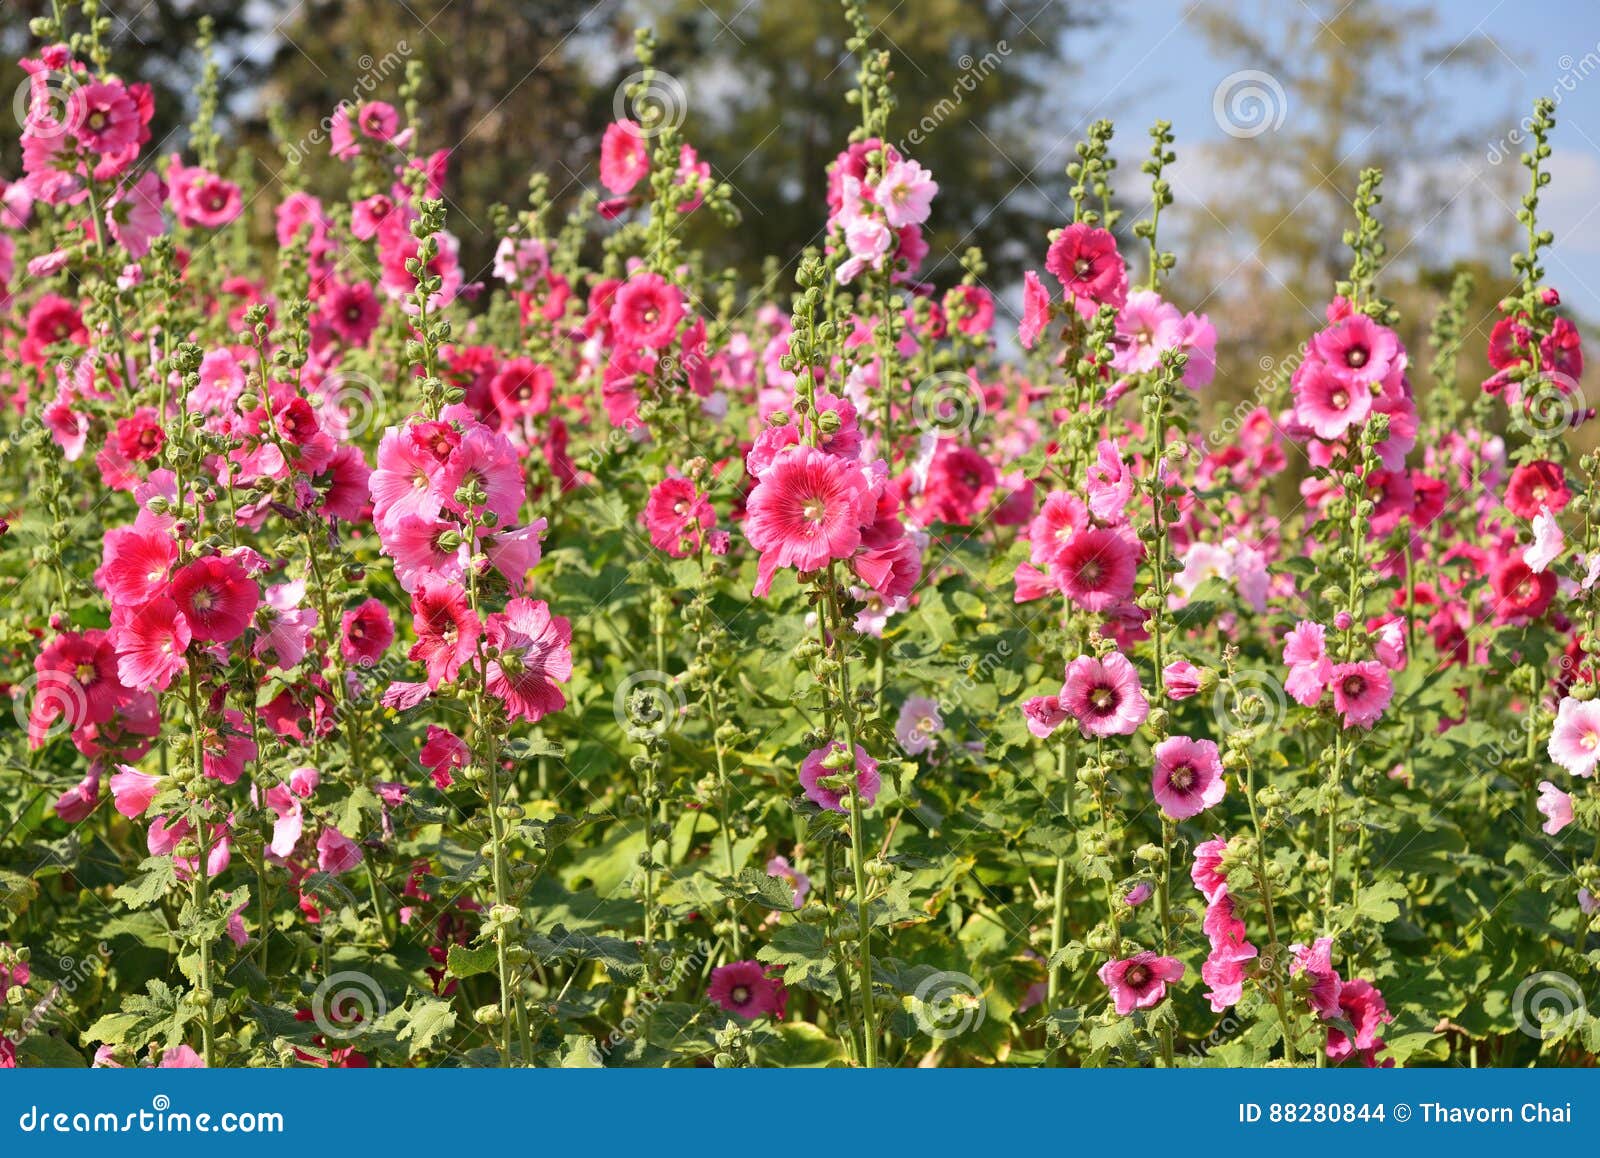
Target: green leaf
429,1020
157,876
464,962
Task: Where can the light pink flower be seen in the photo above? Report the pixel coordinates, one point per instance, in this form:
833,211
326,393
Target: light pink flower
1104,696
1554,803
1188,776
1575,738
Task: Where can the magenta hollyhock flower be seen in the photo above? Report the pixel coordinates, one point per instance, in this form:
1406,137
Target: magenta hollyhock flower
624,156
1095,569
1140,981
1086,262
1305,651
132,790
76,685
1327,404
134,215
1061,519
1147,327
515,551
807,508
134,565
1188,776
1316,962
447,630
487,461
1359,351
1181,679
336,852
180,1057
780,867
1520,593
1044,714
288,625
917,728
1207,871
646,311
366,633
1389,645
1535,486
521,389
201,198
534,654
676,514
151,641
812,771
217,597
1109,483
442,754
1035,310
745,988
1364,1008
1104,696
1575,740
1361,692
104,117
1138,895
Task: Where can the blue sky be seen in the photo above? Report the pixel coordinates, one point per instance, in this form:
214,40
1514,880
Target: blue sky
1148,61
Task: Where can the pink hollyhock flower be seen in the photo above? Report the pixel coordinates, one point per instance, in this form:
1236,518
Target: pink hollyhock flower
1147,327
1359,351
1310,669
535,654
812,772
1197,338
151,641
217,598
1536,486
1086,262
1364,1008
104,117
1035,310
1555,804
744,988
132,790
1188,776
447,630
905,193
1361,691
1140,981
1181,679
1044,714
1390,645
1316,962
201,198
918,726
366,633
1138,895
973,308
1207,870
287,626
521,389
227,750
1548,542
676,514
180,1057
77,803
1575,740
516,551
424,549
134,564
487,460
1225,974
368,215
1062,518
134,215
290,823
1326,404
624,156
807,509
442,754
646,311
353,310
77,684
1096,569
1109,484
1104,696
780,867
336,852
